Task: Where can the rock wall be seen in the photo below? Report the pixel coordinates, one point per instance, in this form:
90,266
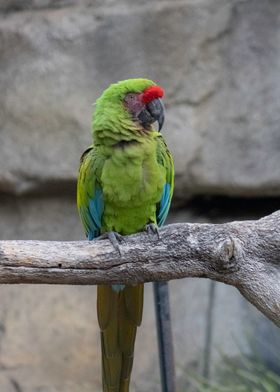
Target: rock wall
218,61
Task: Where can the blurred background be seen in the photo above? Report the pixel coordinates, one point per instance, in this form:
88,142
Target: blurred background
219,63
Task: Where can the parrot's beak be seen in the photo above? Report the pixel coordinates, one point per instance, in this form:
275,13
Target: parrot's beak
153,111
156,109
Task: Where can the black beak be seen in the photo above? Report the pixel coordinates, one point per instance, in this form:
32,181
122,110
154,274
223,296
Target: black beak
153,111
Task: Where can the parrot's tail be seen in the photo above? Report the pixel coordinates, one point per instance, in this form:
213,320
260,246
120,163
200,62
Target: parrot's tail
119,310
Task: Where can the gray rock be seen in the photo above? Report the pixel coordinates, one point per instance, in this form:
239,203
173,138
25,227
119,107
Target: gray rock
218,61
23,5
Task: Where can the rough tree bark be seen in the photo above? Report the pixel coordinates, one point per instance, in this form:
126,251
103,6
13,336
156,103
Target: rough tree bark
243,254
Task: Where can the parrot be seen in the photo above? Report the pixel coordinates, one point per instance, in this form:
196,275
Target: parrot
125,185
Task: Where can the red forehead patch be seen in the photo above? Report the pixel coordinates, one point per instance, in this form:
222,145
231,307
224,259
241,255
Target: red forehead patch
151,93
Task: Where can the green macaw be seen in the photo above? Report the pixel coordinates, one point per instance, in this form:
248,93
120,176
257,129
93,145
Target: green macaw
125,186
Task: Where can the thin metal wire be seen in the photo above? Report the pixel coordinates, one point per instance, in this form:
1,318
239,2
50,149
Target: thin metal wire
164,334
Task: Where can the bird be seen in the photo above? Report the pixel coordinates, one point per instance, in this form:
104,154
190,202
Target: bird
125,186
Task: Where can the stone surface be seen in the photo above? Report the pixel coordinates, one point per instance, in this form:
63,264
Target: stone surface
217,59
22,5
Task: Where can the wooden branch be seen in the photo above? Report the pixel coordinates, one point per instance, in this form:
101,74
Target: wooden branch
243,254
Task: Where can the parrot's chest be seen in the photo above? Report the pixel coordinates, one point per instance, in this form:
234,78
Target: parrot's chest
132,183
136,181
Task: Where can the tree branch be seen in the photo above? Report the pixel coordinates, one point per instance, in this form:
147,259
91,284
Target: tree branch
243,254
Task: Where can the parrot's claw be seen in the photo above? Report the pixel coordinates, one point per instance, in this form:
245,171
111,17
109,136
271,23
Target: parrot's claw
152,228
115,238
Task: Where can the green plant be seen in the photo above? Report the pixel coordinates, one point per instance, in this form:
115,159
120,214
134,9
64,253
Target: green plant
242,374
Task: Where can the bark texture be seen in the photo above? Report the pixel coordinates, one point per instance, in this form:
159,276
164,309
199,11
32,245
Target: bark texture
243,254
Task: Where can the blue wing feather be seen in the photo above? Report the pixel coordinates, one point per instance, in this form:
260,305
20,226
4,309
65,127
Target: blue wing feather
165,159
94,212
90,195
96,206
164,205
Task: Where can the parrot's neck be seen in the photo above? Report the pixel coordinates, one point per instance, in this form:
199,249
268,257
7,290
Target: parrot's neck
114,126
122,136
125,143
117,137
110,146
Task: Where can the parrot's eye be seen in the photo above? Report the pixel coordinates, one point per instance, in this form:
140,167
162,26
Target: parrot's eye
130,97
133,103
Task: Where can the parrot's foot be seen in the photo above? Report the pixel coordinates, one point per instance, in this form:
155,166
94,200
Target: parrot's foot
115,238
151,228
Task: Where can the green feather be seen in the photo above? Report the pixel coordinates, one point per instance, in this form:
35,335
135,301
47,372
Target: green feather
130,167
111,121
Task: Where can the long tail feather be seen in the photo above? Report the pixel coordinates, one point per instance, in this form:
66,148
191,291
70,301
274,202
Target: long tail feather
119,315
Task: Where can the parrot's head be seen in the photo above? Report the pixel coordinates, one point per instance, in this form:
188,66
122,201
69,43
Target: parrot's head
126,110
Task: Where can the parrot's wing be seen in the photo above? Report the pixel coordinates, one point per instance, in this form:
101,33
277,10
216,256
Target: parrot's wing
164,157
89,193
